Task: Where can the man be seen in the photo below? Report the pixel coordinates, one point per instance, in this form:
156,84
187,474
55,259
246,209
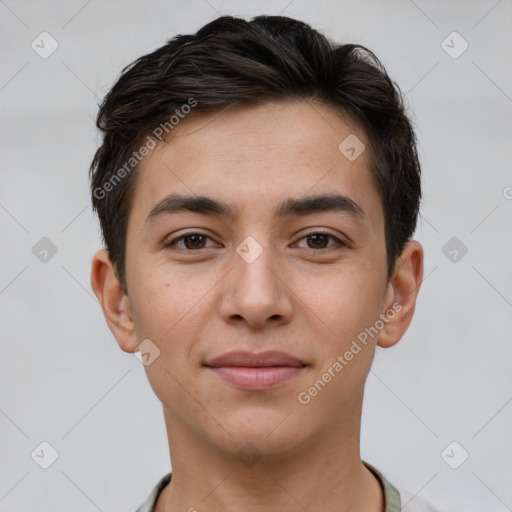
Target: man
258,187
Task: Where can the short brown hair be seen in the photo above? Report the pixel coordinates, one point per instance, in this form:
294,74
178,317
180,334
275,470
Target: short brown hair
232,62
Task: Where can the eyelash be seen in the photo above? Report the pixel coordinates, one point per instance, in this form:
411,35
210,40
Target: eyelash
339,243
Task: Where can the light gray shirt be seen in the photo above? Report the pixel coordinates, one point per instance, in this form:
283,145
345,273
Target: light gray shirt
392,500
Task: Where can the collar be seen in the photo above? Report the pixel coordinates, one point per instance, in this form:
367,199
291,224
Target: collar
391,495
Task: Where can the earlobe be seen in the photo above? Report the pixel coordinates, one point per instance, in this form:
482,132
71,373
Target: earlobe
114,303
403,289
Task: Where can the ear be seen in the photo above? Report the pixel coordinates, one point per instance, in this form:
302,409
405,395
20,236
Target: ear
403,288
115,304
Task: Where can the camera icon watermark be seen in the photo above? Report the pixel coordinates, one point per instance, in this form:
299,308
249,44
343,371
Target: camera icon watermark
454,455
454,45
44,250
44,455
44,45
454,250
249,249
249,454
351,147
147,352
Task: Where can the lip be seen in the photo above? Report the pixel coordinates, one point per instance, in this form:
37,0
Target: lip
250,360
256,371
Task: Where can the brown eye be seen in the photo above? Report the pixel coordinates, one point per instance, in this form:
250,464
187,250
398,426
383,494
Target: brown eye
191,241
320,241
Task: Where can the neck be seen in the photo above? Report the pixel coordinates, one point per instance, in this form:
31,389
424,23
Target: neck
324,475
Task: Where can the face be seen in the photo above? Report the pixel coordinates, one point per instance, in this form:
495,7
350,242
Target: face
264,264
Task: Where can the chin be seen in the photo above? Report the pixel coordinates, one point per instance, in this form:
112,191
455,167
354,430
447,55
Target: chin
269,432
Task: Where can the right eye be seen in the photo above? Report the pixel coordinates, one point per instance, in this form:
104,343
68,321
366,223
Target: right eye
192,241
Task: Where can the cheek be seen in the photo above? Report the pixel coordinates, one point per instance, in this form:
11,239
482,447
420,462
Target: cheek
171,309
347,307
167,313
342,302
167,300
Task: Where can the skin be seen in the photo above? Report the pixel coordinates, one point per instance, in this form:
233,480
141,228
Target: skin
309,298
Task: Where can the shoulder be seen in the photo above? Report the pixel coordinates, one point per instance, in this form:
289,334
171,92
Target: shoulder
399,500
412,503
150,502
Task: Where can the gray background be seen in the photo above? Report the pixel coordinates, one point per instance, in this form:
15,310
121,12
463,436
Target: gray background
63,378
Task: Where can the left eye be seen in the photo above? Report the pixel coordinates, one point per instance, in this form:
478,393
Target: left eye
197,241
320,239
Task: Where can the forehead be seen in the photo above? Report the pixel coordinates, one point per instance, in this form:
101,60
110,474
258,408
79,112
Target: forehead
253,158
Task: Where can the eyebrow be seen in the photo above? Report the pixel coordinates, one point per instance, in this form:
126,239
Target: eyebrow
176,203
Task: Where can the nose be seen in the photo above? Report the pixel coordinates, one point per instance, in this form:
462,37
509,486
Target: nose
256,292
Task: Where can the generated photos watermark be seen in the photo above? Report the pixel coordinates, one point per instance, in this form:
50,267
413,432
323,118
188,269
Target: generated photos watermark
149,143
304,397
